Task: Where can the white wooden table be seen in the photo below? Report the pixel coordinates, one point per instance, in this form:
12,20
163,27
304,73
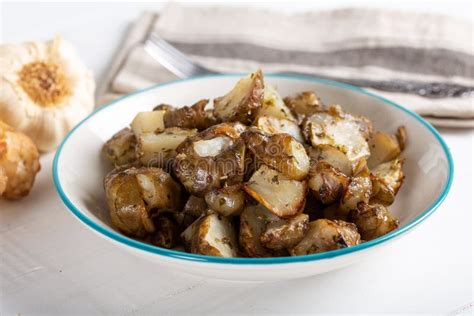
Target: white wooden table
51,264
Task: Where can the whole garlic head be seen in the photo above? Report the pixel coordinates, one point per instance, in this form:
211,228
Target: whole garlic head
44,90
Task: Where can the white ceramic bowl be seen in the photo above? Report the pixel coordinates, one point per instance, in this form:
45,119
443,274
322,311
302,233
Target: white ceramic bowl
78,172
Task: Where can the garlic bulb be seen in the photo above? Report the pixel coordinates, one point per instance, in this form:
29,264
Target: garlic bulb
44,90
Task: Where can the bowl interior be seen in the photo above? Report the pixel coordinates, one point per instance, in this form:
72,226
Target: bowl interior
79,168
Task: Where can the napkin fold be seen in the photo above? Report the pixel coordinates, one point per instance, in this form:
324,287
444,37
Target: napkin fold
374,45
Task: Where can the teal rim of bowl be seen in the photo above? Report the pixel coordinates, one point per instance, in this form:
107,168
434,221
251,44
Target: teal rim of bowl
116,236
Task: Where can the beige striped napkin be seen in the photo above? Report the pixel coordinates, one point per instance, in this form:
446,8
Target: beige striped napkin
364,44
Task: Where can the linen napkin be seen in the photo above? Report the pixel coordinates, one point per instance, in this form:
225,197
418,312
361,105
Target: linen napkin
374,45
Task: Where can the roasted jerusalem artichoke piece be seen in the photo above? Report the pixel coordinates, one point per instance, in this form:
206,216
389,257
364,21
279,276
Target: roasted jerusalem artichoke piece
210,159
160,149
333,156
132,194
383,147
373,220
188,234
279,194
19,163
274,106
226,201
386,180
325,235
272,125
195,206
231,164
163,107
253,221
358,190
120,149
402,137
215,236
326,182
148,122
284,234
279,151
303,104
343,131
242,102
190,117
127,209
167,232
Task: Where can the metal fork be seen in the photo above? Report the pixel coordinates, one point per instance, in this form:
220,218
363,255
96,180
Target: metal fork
180,65
172,59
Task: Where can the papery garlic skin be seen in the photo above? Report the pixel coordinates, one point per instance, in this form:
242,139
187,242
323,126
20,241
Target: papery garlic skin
45,124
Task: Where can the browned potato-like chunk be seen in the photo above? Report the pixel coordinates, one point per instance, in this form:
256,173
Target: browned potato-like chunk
345,132
373,220
386,180
159,190
212,147
279,194
148,122
253,222
358,190
231,164
361,168
127,209
383,148
232,130
279,151
303,104
274,106
188,234
284,234
211,159
197,176
332,156
195,206
326,182
19,163
401,136
133,193
243,101
272,125
325,235
120,149
163,107
190,117
160,149
167,232
227,201
215,236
